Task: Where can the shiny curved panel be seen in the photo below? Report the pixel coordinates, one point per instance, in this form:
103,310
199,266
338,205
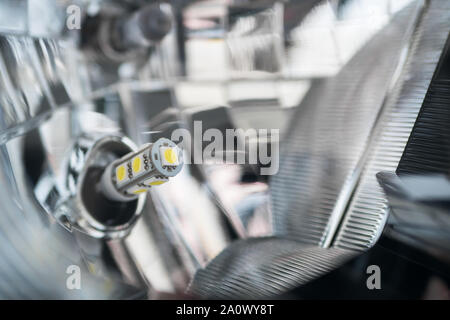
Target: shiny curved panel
329,134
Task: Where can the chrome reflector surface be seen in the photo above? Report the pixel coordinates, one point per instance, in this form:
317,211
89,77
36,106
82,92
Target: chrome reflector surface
263,267
34,252
367,212
320,159
33,83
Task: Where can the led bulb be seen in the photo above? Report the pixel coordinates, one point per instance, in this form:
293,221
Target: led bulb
137,172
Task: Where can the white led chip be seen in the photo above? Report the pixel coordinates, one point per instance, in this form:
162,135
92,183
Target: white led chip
155,181
137,165
137,190
122,175
169,156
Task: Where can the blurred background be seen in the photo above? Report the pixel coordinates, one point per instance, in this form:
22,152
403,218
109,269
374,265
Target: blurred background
357,89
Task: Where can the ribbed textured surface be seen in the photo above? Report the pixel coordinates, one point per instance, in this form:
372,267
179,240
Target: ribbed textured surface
264,267
428,148
367,212
341,133
338,132
329,135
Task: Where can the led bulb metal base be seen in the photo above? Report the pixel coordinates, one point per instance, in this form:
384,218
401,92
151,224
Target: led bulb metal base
137,172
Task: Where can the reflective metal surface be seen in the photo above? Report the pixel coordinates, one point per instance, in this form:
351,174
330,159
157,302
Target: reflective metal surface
65,184
264,267
327,143
394,127
44,18
345,87
36,251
